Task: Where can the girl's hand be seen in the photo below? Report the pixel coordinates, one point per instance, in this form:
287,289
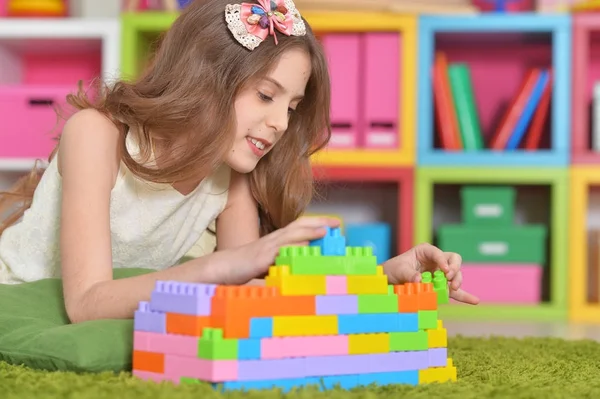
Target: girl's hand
254,259
408,267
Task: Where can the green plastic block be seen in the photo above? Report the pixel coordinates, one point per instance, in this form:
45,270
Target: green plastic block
307,260
212,346
427,319
409,341
189,381
378,303
440,285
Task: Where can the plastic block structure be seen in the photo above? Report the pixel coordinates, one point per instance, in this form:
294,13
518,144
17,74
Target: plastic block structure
321,320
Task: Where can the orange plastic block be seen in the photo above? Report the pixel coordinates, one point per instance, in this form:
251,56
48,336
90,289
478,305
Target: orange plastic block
413,297
183,324
148,361
234,306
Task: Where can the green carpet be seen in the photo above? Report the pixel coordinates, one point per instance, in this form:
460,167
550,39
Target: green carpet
487,368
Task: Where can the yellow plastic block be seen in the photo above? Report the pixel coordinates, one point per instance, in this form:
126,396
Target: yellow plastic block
295,326
438,374
438,338
373,284
279,276
360,344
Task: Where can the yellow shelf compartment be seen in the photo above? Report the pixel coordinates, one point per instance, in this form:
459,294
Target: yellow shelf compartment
141,30
407,26
580,308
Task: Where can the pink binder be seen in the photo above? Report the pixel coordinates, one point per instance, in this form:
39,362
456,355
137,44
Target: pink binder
381,86
343,56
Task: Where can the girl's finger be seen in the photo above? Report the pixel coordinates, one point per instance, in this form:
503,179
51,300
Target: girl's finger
454,263
463,296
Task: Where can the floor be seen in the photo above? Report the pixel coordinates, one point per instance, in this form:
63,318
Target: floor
524,329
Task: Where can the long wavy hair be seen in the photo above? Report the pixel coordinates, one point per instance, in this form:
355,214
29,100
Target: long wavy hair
189,88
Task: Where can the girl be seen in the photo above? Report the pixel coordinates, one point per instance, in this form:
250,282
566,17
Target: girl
219,128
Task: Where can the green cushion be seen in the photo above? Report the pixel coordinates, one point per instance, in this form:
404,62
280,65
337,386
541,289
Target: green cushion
35,331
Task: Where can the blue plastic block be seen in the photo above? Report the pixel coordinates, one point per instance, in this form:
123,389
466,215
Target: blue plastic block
261,327
249,349
558,27
397,377
368,323
285,385
375,235
332,244
346,382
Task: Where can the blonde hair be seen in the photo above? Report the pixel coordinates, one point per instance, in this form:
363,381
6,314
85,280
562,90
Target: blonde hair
189,88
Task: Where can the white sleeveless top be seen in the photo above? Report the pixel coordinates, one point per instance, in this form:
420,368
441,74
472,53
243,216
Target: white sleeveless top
153,226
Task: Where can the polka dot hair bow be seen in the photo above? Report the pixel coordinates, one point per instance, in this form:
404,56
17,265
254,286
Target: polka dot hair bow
251,23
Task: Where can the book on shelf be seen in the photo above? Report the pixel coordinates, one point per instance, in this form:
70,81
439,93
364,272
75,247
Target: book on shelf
458,123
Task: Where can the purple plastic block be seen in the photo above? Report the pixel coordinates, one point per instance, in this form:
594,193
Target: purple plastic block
184,298
438,357
399,361
145,319
337,304
361,364
271,369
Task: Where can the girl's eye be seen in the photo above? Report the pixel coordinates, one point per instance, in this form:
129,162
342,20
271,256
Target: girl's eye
291,111
264,97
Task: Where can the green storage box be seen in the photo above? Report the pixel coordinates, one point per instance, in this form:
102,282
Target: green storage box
516,244
488,206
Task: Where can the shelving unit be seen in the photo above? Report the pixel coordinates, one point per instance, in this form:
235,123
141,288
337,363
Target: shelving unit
402,183
582,308
419,181
42,60
499,48
586,70
556,267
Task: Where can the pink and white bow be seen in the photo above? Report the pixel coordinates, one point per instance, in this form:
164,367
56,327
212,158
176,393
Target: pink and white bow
252,23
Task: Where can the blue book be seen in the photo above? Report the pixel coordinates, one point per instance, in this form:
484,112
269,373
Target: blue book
528,111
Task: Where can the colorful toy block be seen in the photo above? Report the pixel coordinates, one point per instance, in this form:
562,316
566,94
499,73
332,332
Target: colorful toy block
324,320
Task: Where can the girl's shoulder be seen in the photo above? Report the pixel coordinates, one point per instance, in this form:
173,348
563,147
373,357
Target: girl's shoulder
89,138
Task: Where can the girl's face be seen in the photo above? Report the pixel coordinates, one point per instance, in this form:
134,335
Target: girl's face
263,110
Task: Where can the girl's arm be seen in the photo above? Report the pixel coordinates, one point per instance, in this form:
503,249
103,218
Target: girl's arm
238,224
89,163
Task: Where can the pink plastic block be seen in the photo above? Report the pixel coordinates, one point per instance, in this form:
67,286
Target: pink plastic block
503,283
336,285
141,341
287,347
156,377
343,54
3,8
29,120
336,304
382,87
272,369
206,370
180,345
185,298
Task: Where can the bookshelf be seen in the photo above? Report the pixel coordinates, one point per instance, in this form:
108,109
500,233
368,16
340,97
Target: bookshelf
41,61
584,305
586,71
550,200
395,208
493,46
